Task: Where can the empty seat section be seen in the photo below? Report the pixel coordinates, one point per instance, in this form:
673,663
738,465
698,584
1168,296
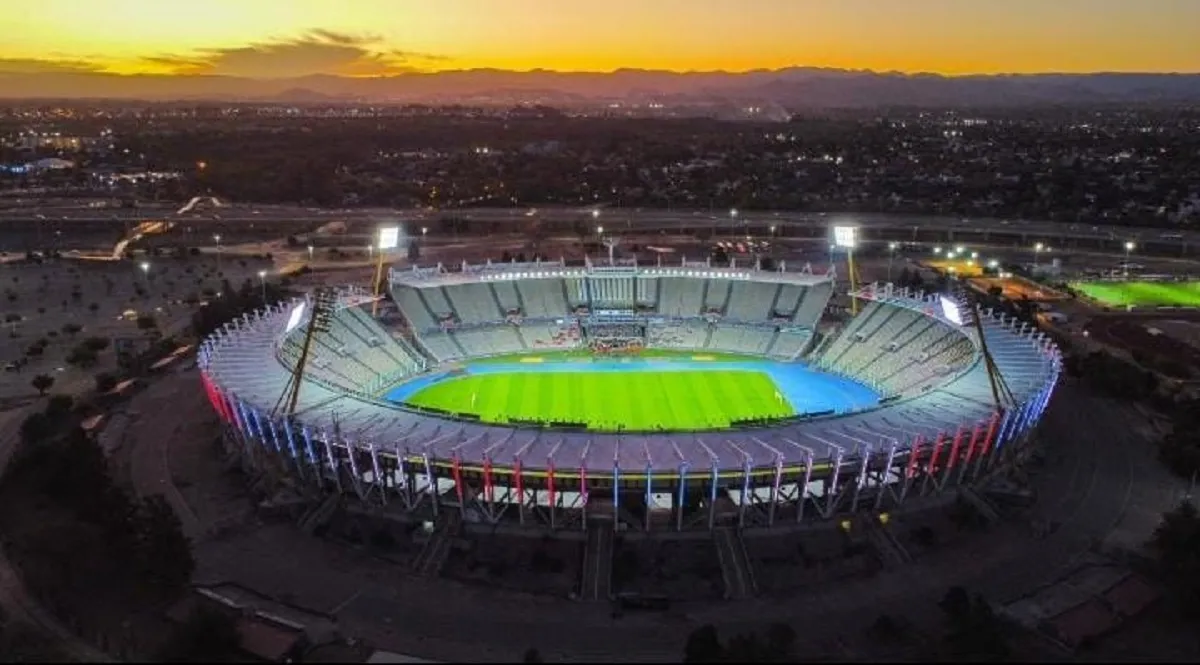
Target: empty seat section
681,296
740,339
506,293
412,306
543,298
473,303
790,344
440,346
435,296
812,304
751,301
548,336
677,335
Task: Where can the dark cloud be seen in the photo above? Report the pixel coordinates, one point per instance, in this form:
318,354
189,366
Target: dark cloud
47,66
317,52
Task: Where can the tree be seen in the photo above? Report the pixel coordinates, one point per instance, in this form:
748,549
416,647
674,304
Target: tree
105,382
166,554
704,646
95,344
82,357
974,632
42,383
1176,545
207,636
146,322
71,329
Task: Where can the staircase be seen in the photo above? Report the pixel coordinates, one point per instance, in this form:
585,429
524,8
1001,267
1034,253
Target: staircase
596,577
884,542
433,556
736,571
320,515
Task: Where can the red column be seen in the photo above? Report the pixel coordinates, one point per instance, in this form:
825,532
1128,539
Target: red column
913,455
937,449
991,433
520,480
458,488
954,449
974,441
487,479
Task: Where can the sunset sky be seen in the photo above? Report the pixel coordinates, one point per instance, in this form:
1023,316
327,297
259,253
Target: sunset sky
280,38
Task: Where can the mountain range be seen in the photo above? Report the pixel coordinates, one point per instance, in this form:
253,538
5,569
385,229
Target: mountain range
798,87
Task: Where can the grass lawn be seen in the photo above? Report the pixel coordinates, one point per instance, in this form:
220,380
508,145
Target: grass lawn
1120,294
690,400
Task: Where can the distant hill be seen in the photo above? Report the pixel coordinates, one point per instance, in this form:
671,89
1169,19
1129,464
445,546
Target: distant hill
797,87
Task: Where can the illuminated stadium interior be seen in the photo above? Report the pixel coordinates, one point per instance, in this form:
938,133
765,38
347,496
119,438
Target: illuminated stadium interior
692,393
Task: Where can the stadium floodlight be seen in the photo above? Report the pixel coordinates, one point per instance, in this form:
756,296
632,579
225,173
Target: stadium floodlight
951,312
389,237
1129,247
845,237
294,317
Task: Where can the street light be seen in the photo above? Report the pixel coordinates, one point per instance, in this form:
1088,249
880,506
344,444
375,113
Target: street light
145,266
599,230
310,253
217,239
424,232
1129,247
262,279
1037,249
937,251
891,257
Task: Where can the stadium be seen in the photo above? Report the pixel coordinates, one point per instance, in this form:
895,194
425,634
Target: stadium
659,398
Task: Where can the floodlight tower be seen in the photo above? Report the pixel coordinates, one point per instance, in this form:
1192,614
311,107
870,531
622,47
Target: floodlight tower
388,239
324,302
846,237
611,243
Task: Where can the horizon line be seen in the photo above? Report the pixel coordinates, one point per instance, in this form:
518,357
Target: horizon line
609,72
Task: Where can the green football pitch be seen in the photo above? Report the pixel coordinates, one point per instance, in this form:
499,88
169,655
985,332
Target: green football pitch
608,401
1142,294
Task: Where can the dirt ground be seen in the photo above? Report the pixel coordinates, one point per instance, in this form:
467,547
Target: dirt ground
1015,288
1170,349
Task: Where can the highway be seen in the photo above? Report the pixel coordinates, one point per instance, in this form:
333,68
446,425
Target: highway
617,219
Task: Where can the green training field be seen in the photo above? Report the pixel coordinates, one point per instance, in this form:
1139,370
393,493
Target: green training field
607,401
1142,294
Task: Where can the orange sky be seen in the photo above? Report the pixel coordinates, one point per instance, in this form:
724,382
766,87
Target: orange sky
267,38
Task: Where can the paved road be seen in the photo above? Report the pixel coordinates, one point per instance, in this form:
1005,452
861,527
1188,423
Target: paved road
615,217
